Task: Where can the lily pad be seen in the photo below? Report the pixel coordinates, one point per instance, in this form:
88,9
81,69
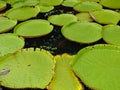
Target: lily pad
10,43
114,4
2,5
62,19
64,78
111,34
27,69
70,3
6,24
33,28
106,16
98,67
22,13
84,17
87,6
82,32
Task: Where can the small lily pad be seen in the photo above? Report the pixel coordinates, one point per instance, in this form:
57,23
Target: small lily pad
10,43
2,5
87,6
6,24
33,28
106,16
64,78
70,3
51,2
84,17
62,19
98,67
114,4
82,32
111,34
22,13
27,69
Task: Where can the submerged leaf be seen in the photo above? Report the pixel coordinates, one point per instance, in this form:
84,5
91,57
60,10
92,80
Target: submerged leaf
98,66
64,78
28,69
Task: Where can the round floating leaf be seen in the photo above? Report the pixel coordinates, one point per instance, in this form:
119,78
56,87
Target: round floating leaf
90,0
64,78
114,4
51,2
111,34
27,69
33,28
84,17
44,8
6,24
10,43
2,5
62,19
22,13
87,6
21,3
98,67
70,3
106,16
82,32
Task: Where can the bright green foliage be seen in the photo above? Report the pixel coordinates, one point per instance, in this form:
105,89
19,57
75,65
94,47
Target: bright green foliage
33,28
70,3
82,32
64,78
2,5
62,19
111,34
22,13
106,16
87,6
98,66
114,4
6,24
27,68
10,43
90,0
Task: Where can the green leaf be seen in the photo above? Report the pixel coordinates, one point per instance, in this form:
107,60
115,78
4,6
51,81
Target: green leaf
70,3
10,43
33,28
98,66
111,34
6,24
22,13
27,69
82,32
62,19
2,5
64,78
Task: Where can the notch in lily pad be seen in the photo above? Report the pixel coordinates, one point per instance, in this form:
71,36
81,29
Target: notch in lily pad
62,19
6,24
33,28
111,34
82,32
64,78
10,43
22,13
95,65
27,69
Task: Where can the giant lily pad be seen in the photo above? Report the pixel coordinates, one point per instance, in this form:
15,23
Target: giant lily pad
26,69
64,78
98,67
82,32
62,19
22,13
33,28
2,5
111,34
10,43
6,24
87,6
106,16
114,4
